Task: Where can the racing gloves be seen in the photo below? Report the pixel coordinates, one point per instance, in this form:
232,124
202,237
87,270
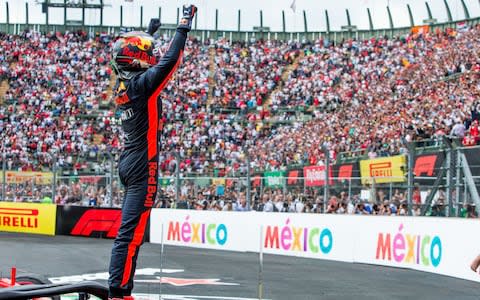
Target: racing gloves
153,26
189,12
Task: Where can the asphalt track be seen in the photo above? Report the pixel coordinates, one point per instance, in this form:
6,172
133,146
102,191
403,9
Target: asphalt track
284,278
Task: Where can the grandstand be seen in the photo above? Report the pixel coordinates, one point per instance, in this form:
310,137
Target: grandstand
247,104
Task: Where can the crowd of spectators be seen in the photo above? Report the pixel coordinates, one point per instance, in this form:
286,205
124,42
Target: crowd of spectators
246,73
370,95
55,82
381,202
83,191
203,140
378,85
5,57
377,94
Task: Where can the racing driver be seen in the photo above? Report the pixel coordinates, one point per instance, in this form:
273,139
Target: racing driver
141,76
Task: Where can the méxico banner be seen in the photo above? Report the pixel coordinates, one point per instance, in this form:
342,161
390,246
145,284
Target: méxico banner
421,243
27,218
384,170
203,229
306,235
302,235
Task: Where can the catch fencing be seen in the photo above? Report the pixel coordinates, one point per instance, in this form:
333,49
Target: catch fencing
440,179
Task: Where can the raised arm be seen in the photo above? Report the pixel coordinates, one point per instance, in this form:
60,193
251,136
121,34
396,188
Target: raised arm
155,78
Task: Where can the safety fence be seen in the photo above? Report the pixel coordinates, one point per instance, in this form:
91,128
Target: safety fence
80,180
441,181
293,194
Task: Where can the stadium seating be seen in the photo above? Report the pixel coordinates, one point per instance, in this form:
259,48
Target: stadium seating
246,74
376,94
369,95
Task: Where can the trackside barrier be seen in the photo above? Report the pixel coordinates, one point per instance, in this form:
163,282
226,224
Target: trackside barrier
88,221
51,219
441,246
92,222
203,229
27,218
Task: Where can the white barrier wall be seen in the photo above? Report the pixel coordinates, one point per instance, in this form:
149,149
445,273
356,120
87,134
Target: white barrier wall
437,245
203,229
304,235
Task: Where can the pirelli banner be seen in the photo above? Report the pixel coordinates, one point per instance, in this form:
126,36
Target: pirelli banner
384,170
88,221
27,218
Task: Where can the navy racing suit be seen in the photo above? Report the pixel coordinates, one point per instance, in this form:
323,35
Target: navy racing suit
140,110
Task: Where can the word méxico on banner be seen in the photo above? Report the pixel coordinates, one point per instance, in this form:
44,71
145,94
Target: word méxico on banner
197,233
409,248
290,238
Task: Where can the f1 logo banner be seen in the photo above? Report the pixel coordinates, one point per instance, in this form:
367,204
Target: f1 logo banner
98,220
427,166
295,177
473,158
346,173
88,221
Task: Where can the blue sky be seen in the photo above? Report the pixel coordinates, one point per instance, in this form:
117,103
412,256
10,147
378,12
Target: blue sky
250,12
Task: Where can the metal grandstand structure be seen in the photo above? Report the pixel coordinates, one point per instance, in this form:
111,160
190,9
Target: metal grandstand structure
66,5
261,30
